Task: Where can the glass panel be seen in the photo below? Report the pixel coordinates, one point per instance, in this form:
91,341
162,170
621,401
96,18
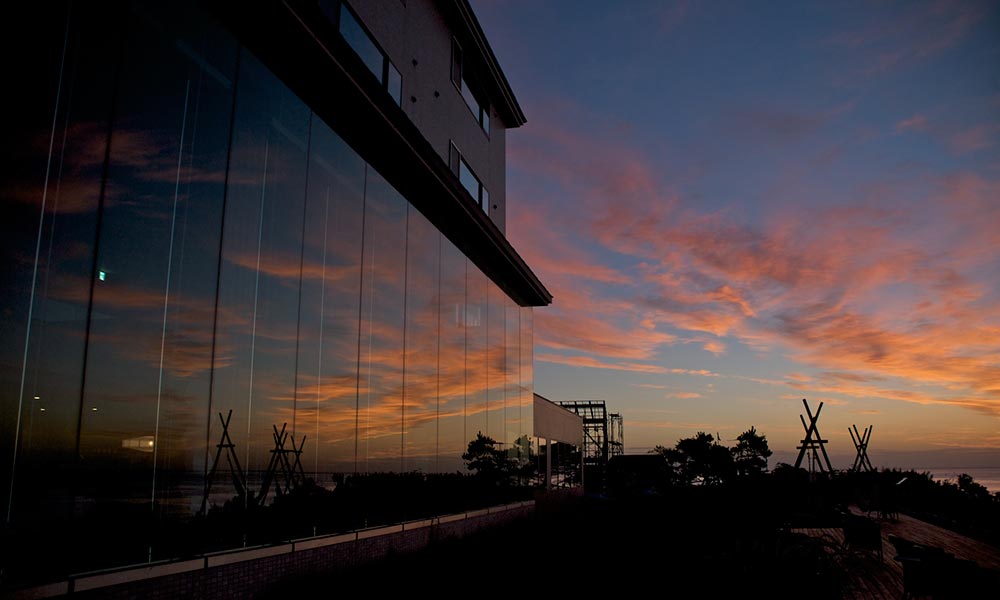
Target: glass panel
46,277
382,305
470,99
258,300
484,118
456,62
327,384
512,371
527,371
453,436
394,83
360,42
496,379
453,158
486,200
475,348
420,394
149,354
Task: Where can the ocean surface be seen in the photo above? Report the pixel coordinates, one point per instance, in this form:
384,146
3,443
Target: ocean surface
986,476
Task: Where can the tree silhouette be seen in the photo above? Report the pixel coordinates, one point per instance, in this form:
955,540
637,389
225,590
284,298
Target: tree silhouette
970,487
487,461
751,453
699,459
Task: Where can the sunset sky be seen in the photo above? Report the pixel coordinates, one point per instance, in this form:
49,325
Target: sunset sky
740,205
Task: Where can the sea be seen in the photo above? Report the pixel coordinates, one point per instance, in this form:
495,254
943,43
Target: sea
989,477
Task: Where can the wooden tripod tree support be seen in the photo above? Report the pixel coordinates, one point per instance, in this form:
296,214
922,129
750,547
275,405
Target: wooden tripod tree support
813,444
291,471
861,439
239,477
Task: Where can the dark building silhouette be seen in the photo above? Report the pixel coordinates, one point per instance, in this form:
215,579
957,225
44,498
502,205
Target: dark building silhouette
293,211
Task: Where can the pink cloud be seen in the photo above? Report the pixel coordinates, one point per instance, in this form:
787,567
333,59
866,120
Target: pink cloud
594,363
975,138
897,38
714,346
888,292
914,123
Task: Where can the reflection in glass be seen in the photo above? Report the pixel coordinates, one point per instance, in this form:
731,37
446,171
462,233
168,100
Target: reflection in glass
149,343
453,433
512,372
380,399
394,82
327,384
420,392
475,352
187,262
51,206
260,274
494,365
360,41
469,181
526,375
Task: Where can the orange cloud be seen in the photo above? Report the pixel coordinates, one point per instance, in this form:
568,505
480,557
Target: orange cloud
684,395
889,292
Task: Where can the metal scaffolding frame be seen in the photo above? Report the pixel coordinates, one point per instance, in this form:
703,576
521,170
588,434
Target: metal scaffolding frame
616,444
595,430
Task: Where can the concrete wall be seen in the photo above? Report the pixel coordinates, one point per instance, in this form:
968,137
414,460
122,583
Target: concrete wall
249,572
418,41
554,422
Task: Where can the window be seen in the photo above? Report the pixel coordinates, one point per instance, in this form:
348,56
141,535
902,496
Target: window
364,45
460,77
469,179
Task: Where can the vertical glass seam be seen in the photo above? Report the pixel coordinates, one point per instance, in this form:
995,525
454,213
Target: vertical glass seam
166,293
218,272
256,295
437,374
402,396
302,258
361,298
102,194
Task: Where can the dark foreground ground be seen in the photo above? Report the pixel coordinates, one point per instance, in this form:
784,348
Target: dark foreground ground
780,536
697,542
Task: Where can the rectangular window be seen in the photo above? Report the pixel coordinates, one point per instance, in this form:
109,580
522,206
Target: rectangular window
468,178
470,93
364,45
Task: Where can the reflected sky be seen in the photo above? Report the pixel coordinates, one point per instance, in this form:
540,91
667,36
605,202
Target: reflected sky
209,245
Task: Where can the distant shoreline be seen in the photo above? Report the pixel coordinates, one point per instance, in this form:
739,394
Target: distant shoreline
988,477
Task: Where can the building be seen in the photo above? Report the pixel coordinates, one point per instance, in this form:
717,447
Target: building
249,251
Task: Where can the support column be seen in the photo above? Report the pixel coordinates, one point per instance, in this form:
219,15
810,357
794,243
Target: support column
548,464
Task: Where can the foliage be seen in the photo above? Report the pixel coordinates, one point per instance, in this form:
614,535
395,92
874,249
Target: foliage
488,462
751,453
699,459
970,487
703,460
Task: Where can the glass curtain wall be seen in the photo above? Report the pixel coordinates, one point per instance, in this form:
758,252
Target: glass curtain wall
215,308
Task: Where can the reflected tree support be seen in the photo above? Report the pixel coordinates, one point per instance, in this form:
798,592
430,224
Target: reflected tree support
209,246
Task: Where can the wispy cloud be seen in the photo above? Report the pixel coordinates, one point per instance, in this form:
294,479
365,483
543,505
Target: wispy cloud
684,395
890,295
905,34
914,123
